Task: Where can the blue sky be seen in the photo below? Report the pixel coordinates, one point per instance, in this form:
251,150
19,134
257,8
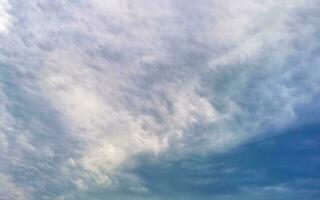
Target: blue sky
159,99
285,166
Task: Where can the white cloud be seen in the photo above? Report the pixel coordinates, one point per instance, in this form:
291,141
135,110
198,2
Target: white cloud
5,18
166,77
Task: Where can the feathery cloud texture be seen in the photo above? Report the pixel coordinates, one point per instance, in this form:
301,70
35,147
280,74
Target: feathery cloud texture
86,86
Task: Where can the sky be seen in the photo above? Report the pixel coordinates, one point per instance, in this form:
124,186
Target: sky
159,99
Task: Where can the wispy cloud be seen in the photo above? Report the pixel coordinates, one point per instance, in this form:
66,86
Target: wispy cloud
89,85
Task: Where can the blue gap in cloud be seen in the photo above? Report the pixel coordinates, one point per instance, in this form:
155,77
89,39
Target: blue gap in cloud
290,160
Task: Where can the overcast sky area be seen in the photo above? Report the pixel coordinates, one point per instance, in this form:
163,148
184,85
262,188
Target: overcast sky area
159,99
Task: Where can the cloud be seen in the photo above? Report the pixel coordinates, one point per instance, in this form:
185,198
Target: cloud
5,18
112,80
9,190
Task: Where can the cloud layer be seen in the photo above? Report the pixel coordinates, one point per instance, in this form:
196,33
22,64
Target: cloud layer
86,86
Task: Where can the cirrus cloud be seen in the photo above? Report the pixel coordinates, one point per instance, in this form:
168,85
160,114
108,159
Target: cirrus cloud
89,85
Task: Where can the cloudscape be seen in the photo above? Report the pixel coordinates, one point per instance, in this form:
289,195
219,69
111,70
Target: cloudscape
159,99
